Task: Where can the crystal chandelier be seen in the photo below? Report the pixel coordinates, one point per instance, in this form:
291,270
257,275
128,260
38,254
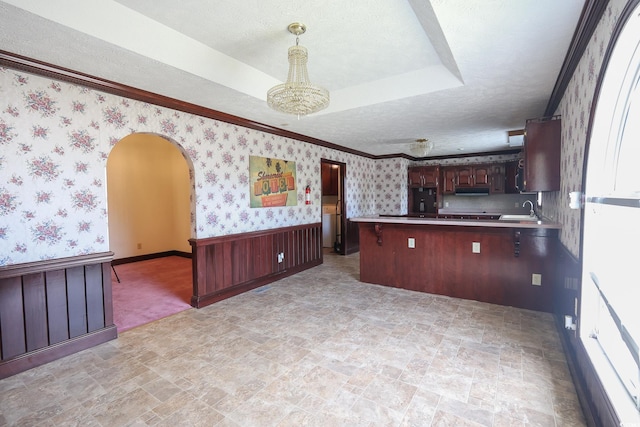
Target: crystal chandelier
421,147
297,95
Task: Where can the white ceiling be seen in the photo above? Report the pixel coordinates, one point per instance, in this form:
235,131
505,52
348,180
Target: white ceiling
458,72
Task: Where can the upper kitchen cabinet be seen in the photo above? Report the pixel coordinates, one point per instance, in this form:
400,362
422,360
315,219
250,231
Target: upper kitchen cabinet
329,180
511,171
449,175
423,176
497,178
473,176
542,154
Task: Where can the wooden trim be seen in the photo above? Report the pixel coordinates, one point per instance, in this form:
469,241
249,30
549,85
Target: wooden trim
224,266
456,156
16,270
33,66
146,257
232,237
50,309
248,286
352,238
589,20
49,354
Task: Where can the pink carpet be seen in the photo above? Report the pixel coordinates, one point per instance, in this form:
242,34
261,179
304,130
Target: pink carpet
150,290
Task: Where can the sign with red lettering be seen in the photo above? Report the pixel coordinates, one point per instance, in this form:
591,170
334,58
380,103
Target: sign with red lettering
272,182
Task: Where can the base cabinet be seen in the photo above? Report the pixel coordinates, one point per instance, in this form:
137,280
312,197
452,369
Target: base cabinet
444,263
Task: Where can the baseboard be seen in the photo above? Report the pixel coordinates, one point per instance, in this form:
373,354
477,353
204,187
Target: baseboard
146,257
205,300
53,352
576,374
352,250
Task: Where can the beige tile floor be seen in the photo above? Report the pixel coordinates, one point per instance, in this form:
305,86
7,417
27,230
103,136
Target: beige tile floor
316,349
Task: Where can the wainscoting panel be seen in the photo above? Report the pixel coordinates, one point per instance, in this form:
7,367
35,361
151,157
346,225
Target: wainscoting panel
229,265
351,238
50,309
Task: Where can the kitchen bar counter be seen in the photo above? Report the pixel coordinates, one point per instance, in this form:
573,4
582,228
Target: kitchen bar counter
511,263
493,223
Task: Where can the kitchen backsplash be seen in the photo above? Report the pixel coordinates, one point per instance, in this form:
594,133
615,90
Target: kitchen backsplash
495,203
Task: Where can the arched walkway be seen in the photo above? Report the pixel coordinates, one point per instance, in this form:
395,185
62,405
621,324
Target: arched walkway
149,192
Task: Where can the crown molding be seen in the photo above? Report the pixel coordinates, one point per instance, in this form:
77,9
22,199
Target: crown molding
33,66
589,20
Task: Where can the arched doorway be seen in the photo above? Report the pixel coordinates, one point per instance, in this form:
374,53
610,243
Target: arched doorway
149,216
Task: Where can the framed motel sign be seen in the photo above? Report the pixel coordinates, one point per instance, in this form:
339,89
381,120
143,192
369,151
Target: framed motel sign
272,182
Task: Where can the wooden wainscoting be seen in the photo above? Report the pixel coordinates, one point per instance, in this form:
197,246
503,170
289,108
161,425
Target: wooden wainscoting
50,309
229,265
595,402
351,238
442,261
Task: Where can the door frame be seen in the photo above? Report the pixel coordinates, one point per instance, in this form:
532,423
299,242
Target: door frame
341,205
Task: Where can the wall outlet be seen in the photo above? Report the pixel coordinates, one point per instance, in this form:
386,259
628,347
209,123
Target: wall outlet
446,204
536,279
280,257
516,205
475,247
411,242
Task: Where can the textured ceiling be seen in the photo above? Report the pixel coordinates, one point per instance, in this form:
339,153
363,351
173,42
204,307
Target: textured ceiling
458,72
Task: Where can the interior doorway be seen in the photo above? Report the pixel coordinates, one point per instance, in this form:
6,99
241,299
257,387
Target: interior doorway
149,217
333,205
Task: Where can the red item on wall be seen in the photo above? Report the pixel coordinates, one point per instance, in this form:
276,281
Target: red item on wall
307,195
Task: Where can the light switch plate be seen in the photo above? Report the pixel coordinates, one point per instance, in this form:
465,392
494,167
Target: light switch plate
411,242
475,247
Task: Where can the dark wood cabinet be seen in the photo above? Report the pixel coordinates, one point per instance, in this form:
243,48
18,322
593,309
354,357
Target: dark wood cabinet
442,261
542,142
449,180
423,190
464,176
423,176
329,180
467,176
497,179
481,176
511,172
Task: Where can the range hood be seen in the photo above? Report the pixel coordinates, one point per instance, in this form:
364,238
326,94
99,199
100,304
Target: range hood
472,191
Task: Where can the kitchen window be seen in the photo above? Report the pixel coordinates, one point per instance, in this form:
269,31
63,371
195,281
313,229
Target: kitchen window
610,311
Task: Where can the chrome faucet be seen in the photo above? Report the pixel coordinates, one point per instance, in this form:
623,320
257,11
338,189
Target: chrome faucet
532,212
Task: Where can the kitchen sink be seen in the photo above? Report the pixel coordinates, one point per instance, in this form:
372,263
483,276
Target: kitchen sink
519,218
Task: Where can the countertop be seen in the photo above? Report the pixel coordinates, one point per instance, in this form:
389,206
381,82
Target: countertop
543,223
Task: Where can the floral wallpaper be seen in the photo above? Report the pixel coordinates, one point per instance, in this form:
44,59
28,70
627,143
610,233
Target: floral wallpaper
392,179
391,186
575,109
55,139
